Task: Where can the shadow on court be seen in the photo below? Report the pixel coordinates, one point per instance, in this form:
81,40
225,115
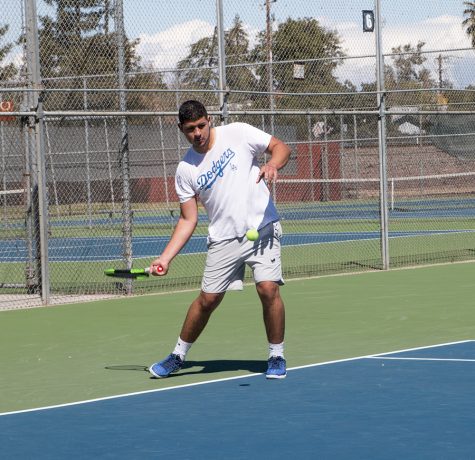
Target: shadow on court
203,367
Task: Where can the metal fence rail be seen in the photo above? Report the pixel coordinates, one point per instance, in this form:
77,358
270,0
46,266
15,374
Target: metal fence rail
381,174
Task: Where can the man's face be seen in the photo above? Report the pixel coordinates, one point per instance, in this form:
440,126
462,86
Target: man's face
197,133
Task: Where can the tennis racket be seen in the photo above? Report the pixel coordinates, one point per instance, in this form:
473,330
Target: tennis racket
133,273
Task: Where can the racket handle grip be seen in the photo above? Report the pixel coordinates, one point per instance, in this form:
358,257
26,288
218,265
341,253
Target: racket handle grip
159,269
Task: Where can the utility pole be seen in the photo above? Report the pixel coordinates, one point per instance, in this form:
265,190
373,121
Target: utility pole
441,98
440,70
439,60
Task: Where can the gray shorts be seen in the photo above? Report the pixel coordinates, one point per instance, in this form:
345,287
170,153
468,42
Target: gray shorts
226,260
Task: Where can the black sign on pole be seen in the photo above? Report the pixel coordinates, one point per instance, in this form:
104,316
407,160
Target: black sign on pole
368,21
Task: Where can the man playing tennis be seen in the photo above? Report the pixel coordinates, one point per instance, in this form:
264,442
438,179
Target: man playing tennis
221,169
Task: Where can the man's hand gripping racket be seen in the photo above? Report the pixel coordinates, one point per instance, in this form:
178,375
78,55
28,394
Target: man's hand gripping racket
135,273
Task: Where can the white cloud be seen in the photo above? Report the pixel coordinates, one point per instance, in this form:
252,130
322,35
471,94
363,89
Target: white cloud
15,57
164,49
252,33
444,33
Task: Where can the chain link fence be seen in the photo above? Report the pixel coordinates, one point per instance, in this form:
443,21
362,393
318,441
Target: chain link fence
382,133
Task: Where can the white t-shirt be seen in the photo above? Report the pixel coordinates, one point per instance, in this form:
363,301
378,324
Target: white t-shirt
224,179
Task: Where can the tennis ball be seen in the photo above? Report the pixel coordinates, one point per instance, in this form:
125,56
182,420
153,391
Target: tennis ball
252,234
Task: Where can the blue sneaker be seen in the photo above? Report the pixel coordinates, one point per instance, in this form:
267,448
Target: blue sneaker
276,368
172,363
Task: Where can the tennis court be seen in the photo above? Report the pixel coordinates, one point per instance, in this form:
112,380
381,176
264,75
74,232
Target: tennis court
381,365
377,203
457,215
85,249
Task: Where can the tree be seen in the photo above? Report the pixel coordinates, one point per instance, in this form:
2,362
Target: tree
78,48
7,71
238,76
469,21
407,72
247,70
68,41
307,42
463,99
408,64
199,69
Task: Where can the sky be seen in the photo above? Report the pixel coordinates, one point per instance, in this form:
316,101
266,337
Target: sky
167,28
435,22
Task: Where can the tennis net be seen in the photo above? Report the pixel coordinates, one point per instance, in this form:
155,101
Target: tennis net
428,192
335,224
12,207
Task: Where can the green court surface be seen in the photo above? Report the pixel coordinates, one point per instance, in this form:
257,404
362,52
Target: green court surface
56,355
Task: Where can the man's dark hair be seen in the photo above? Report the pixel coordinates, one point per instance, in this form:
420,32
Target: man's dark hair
191,111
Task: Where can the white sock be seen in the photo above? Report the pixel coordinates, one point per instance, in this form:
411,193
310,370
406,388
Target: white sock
276,349
181,348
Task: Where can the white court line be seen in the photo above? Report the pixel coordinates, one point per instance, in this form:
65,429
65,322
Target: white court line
400,358
157,390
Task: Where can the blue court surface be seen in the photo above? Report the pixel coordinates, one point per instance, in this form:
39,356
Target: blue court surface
409,404
402,209
111,248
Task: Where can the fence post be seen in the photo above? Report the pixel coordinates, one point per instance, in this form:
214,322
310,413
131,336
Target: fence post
30,268
223,99
270,75
124,145
383,180
4,169
39,186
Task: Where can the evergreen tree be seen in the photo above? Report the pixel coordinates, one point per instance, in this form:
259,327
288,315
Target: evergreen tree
238,76
199,69
77,42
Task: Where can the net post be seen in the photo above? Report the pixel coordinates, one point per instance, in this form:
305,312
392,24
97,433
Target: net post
392,194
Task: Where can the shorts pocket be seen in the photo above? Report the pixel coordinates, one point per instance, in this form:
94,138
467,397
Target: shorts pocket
277,230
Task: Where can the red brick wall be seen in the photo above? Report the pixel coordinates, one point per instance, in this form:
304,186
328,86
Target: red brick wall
310,166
